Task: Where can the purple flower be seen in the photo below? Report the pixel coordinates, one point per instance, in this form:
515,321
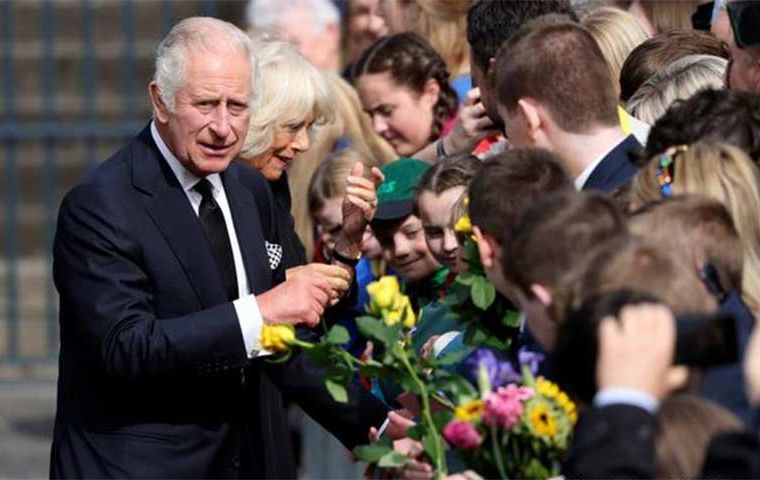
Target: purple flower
499,372
462,434
531,359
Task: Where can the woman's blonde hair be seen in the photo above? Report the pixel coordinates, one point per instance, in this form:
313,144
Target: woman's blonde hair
617,33
722,172
686,425
678,81
443,23
287,89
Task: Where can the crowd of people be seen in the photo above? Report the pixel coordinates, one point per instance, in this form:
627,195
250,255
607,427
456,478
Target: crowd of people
604,153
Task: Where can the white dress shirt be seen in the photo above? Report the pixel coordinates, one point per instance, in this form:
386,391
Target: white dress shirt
246,308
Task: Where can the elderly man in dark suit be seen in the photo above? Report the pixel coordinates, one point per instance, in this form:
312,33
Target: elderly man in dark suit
167,265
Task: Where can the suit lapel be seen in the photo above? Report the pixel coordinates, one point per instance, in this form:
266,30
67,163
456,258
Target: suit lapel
175,219
245,216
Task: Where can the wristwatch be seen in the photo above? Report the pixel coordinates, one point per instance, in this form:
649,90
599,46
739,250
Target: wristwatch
346,260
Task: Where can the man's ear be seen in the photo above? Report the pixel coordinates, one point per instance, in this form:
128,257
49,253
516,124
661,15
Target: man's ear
490,67
542,294
530,111
430,92
160,110
486,249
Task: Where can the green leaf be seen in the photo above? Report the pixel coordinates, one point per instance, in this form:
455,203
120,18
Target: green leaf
338,335
483,293
465,278
428,443
511,319
416,432
375,329
374,452
393,460
337,390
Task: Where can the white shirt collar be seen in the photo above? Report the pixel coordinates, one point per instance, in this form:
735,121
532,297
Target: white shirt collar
583,177
185,177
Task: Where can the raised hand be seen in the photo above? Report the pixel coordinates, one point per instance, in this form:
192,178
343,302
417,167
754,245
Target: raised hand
472,125
636,351
295,301
359,204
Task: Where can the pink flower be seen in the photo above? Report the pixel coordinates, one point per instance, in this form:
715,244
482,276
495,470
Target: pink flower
504,407
462,434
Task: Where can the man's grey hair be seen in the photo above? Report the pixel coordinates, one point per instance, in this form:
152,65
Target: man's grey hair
267,15
189,35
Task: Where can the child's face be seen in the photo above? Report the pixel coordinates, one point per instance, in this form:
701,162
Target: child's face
401,116
329,220
371,248
435,213
405,250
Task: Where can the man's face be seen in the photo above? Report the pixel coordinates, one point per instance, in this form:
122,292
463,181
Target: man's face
481,79
208,125
320,45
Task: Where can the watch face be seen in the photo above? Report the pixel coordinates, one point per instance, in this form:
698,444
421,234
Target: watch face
745,22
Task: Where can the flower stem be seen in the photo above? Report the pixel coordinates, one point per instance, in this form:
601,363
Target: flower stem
427,418
497,453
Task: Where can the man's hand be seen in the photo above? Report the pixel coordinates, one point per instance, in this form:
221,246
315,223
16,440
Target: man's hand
359,204
636,351
472,126
295,301
339,278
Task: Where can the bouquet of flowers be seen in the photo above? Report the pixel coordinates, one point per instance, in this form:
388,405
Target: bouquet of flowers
520,429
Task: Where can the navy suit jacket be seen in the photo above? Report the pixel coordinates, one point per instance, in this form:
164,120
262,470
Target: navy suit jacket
616,167
154,379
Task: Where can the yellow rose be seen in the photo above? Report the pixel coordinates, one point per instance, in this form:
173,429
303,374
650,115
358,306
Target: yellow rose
409,318
383,293
463,225
277,338
392,317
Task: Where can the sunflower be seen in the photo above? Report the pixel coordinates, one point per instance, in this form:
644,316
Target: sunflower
541,419
550,390
470,411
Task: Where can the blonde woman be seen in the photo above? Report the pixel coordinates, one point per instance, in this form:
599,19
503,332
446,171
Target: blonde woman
719,171
617,33
293,97
443,23
678,81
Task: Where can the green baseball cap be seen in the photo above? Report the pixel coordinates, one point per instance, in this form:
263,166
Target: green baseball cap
395,195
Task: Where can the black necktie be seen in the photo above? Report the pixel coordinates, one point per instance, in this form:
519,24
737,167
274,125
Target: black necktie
212,219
